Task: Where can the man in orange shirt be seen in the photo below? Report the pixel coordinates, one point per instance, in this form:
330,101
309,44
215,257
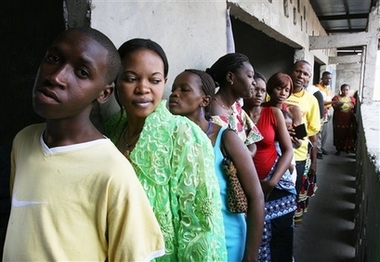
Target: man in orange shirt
324,87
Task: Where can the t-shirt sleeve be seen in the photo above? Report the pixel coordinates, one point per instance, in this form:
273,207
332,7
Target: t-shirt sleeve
314,120
133,231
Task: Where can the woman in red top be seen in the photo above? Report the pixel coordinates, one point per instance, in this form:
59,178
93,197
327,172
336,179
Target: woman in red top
276,180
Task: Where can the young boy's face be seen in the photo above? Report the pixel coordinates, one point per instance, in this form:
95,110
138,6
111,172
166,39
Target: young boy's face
71,76
289,123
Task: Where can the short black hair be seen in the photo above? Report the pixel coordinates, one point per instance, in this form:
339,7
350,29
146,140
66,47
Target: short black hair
326,73
134,44
113,59
259,75
300,61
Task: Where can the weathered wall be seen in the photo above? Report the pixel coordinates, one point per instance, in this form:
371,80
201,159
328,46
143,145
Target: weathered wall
367,226
193,34
348,74
289,24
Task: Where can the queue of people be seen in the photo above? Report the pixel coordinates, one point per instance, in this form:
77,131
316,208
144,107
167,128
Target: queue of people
152,187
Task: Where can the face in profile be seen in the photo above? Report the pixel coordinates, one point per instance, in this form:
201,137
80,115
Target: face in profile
243,81
71,75
141,82
187,94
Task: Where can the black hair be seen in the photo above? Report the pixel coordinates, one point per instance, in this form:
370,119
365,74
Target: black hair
326,73
286,114
228,63
139,43
300,61
113,59
133,45
344,85
260,76
208,85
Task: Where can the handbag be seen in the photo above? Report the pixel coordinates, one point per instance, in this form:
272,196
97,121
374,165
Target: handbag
236,199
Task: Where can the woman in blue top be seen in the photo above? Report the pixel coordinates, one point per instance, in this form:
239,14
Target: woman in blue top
192,93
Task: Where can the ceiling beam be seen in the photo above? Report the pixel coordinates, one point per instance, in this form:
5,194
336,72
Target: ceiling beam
343,17
337,41
347,59
351,30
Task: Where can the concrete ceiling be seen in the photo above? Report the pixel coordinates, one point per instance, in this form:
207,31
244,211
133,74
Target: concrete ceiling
344,16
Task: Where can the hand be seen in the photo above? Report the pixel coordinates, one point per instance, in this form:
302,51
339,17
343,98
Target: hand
296,142
337,103
292,132
266,187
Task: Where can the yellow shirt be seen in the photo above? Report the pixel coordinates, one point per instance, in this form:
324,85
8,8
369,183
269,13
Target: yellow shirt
77,203
310,116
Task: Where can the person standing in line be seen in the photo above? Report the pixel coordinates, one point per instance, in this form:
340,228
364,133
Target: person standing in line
275,177
325,88
319,96
344,122
233,73
279,88
301,74
74,196
172,157
191,95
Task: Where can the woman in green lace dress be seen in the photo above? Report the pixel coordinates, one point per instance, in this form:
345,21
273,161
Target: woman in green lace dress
172,157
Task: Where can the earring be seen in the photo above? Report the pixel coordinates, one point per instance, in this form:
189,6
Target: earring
231,83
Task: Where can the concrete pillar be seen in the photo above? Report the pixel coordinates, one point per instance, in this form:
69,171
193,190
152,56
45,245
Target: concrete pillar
370,57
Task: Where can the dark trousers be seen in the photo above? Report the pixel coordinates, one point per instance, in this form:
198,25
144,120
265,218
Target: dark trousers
281,244
300,167
282,238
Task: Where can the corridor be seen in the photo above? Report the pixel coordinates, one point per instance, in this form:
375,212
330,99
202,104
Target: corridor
327,230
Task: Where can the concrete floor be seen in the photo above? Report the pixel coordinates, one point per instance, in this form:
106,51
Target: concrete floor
327,230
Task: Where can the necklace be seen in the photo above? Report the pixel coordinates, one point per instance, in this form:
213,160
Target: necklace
221,104
256,116
209,129
129,146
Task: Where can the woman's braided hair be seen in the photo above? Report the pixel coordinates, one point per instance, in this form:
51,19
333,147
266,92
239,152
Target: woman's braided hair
228,63
208,85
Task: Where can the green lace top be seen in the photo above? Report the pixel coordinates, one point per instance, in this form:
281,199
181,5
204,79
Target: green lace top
174,161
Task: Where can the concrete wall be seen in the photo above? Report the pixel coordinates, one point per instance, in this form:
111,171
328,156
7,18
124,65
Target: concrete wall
193,34
289,24
367,226
348,74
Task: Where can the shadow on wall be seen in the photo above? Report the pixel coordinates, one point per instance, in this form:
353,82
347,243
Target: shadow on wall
26,31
